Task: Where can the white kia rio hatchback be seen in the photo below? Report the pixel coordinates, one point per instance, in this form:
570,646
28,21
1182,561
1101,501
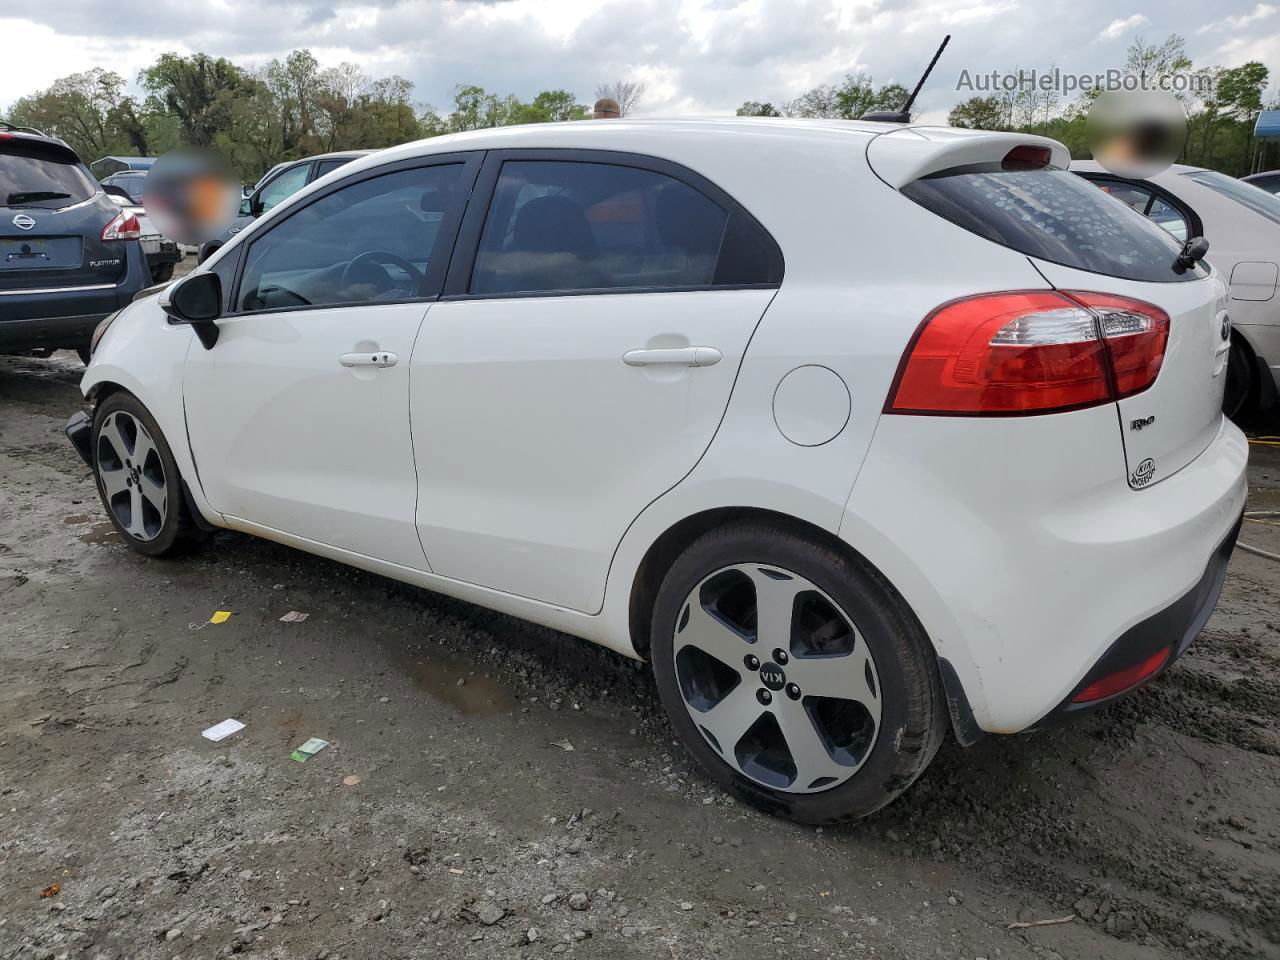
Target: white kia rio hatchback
858,432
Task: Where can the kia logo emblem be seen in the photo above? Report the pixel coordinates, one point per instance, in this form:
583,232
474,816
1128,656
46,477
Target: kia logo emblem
23,222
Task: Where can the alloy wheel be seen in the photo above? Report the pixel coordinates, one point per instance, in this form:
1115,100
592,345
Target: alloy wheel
777,678
131,472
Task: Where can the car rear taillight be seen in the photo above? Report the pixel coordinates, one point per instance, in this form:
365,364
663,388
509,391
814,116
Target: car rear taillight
1123,680
1135,333
123,226
1029,352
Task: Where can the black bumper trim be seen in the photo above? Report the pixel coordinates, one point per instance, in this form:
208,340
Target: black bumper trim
1176,626
79,431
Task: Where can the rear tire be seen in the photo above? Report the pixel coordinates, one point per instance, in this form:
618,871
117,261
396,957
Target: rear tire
874,714
162,273
138,479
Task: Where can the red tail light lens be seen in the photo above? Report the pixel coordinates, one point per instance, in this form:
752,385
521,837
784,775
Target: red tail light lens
124,226
1029,352
1123,680
1136,334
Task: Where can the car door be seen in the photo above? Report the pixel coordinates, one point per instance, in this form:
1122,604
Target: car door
597,308
299,414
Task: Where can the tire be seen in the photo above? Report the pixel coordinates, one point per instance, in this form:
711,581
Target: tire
1240,397
162,273
875,714
138,479
207,252
83,354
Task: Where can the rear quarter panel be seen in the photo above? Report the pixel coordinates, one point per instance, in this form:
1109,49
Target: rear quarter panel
864,266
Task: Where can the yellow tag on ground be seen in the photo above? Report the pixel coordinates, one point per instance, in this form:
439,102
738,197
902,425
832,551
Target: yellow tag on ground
220,616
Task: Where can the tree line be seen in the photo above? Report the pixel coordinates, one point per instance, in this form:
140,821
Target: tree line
287,109
1219,121
1221,113
293,107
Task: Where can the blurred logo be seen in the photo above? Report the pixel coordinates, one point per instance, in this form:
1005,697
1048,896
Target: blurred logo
191,195
23,222
1136,133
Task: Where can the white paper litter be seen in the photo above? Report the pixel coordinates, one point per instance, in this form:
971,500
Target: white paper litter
220,731
294,616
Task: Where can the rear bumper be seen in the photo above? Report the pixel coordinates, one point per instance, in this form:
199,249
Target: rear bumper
62,317
1027,557
1172,629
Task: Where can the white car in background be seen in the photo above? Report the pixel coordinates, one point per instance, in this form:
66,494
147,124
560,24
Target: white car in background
859,432
1242,224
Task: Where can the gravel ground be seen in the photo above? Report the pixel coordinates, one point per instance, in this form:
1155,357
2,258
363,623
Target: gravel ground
518,791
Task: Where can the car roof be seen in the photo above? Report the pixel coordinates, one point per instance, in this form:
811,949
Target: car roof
332,155
627,133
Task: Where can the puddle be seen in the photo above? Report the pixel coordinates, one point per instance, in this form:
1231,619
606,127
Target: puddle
77,518
478,696
101,533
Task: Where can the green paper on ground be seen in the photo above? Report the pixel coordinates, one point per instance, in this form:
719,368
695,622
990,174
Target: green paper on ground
308,750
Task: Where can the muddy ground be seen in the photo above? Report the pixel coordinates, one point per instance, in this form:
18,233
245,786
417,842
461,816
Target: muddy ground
474,831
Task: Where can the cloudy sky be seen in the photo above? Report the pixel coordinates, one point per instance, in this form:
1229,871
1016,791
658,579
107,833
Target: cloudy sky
694,56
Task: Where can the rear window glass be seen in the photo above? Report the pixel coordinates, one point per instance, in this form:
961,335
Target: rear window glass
132,185
30,177
1259,201
1053,215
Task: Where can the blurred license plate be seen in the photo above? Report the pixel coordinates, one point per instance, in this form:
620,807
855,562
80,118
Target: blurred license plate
32,253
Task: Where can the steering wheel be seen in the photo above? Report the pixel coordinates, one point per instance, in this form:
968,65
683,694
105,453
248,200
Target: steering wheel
379,257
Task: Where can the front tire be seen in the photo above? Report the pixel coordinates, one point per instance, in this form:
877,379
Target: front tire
138,479
794,673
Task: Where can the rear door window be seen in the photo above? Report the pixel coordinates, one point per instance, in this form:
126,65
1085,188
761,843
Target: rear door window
1055,216
575,225
33,175
328,166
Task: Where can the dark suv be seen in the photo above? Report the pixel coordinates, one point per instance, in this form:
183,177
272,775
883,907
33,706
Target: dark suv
281,181
69,255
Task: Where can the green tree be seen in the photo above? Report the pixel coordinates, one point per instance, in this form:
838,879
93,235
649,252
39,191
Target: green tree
754,108
89,111
855,95
199,90
980,113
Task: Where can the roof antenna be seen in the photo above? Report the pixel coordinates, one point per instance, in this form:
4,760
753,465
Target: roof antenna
904,115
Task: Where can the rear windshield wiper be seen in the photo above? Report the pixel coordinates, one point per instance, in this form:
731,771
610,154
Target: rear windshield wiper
31,196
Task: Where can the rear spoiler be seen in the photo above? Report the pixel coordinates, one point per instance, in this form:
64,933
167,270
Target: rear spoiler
902,156
17,141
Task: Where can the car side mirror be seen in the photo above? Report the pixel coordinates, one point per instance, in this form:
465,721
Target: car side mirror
195,300
246,207
255,205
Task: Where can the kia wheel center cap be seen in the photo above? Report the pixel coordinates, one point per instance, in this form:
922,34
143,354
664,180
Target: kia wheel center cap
771,676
